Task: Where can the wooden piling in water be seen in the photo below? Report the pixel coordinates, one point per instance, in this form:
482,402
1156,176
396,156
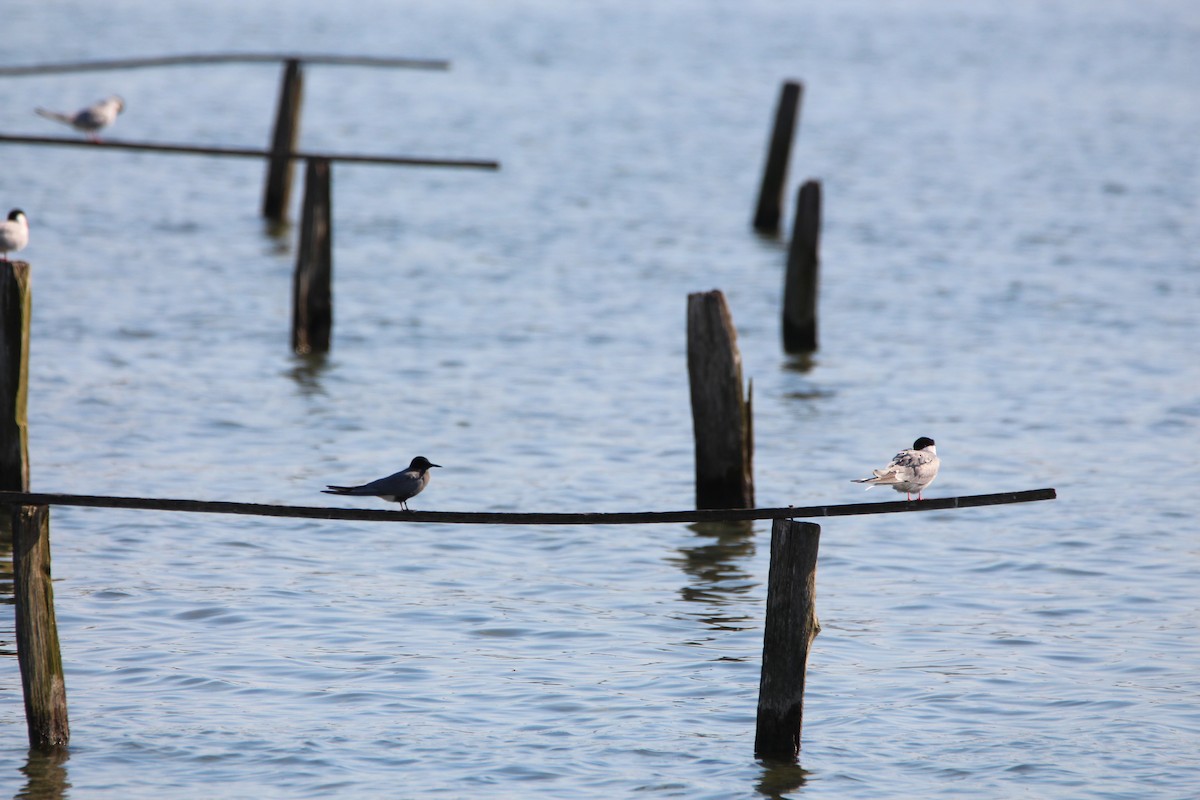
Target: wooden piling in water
770,195
283,141
15,308
790,627
37,631
722,420
803,266
312,285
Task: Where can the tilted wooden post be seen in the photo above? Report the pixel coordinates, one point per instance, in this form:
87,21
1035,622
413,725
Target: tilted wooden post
15,308
722,420
312,286
790,627
283,141
37,631
770,195
803,267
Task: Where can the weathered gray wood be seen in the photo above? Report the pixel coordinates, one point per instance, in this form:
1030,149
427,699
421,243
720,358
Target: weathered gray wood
720,416
790,627
283,141
15,307
770,195
312,286
523,518
37,632
800,287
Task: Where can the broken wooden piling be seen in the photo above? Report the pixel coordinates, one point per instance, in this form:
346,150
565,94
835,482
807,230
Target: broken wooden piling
15,310
801,284
38,652
312,285
722,419
278,187
770,195
790,627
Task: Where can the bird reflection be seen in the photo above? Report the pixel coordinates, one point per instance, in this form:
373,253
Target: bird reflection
713,563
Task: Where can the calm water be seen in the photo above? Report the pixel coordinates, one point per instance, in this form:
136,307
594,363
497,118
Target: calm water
1010,266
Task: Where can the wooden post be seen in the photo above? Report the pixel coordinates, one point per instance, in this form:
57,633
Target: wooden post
15,308
722,421
37,631
770,196
800,285
283,141
791,625
312,292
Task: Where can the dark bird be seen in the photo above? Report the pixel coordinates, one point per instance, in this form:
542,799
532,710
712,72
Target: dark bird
397,488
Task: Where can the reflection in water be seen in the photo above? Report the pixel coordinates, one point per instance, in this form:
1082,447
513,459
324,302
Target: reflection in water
306,372
45,775
713,562
279,234
779,778
8,631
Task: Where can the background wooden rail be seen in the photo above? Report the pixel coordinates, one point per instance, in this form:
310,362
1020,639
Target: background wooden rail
222,58
249,152
533,518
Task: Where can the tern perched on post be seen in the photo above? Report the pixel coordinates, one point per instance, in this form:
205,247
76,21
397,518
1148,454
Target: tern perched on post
90,120
14,233
397,488
910,470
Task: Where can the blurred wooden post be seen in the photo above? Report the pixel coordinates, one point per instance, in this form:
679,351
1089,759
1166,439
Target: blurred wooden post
37,631
283,141
790,627
15,309
722,421
770,196
312,286
803,264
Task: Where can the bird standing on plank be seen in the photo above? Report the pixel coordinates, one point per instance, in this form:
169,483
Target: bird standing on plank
910,470
90,120
397,488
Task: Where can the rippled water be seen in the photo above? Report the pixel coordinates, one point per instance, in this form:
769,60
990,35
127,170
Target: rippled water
1009,265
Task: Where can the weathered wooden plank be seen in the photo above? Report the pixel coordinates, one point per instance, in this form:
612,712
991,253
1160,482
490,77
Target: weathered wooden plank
37,631
312,284
720,415
770,196
15,310
802,281
250,152
791,625
278,188
524,518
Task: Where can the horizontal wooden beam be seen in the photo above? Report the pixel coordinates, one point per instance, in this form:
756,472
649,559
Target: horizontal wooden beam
248,152
507,518
222,58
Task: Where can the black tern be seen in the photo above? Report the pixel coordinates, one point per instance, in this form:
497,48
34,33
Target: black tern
397,488
90,120
910,471
14,233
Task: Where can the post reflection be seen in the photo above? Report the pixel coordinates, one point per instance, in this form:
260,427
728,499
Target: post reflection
779,779
714,566
45,775
306,371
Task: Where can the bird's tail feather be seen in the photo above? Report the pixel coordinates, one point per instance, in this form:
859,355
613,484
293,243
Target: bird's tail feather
54,115
338,490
